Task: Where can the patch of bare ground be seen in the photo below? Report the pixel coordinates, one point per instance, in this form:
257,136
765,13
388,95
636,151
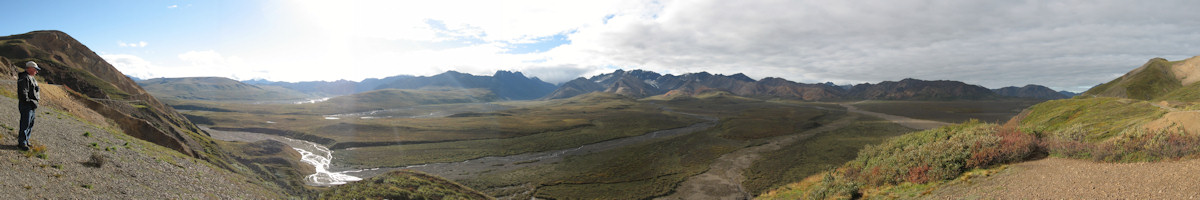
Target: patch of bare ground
1060,178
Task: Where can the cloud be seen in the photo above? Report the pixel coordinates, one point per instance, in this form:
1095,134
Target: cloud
1061,44
131,65
172,6
995,44
131,44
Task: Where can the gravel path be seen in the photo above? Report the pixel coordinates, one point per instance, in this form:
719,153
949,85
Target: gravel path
138,170
1060,178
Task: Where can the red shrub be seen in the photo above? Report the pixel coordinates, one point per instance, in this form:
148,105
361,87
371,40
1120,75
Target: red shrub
919,175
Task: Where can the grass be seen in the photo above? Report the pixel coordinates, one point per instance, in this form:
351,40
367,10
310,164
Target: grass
995,111
402,184
821,152
1091,119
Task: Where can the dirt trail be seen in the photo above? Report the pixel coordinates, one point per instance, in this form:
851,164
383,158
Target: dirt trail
918,124
1060,178
723,180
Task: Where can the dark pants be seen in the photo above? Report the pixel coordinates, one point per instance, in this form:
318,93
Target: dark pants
27,113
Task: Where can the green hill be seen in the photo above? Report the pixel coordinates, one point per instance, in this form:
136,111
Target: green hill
217,89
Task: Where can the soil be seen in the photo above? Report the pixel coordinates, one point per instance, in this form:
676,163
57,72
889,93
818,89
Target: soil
1060,178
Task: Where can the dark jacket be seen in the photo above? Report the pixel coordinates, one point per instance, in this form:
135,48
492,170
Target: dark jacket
28,90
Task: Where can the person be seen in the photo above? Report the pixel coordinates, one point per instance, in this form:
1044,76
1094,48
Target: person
27,94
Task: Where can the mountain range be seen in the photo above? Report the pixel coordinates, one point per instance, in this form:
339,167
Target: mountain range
504,84
639,83
507,85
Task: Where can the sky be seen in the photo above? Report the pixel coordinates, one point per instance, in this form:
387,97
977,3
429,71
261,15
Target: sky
1066,45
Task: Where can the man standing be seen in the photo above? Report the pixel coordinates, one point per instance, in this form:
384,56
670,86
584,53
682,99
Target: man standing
27,94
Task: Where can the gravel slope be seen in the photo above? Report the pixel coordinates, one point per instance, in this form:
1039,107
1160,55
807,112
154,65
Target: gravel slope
1060,178
133,169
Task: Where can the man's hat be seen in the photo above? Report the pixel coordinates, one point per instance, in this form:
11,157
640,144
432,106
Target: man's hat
32,64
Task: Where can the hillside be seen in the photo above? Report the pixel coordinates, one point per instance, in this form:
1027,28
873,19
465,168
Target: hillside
216,89
1102,126
110,93
83,161
1031,91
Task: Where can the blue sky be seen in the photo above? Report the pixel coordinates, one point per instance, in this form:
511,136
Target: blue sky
1067,45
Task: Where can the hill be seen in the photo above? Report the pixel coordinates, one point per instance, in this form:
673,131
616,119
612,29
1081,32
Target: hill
330,88
505,85
1148,115
104,89
1154,79
216,89
914,89
1031,91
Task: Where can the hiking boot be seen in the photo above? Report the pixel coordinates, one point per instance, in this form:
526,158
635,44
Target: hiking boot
23,147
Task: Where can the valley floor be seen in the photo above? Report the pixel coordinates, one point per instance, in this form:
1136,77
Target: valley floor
1060,178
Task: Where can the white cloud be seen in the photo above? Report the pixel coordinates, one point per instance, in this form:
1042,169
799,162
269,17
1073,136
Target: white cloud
131,65
172,6
131,44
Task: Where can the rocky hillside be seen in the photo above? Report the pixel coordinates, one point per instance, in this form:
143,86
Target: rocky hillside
217,89
1031,91
110,93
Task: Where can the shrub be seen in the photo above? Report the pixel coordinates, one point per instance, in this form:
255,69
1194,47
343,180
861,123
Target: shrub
96,160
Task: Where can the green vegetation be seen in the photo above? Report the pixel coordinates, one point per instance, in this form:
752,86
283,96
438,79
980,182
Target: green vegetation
1107,129
1152,80
821,152
402,184
657,167
993,111
536,127
915,160
1096,118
